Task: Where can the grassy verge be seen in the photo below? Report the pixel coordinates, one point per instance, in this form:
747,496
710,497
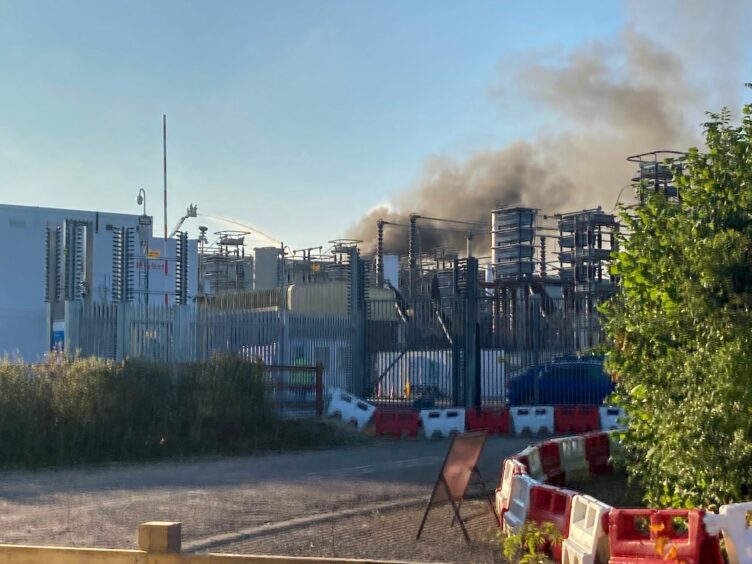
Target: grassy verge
93,410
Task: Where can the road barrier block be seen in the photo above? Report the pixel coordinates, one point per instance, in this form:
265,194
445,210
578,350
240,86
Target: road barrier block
442,421
597,452
519,502
587,541
614,442
551,504
573,458
350,408
654,535
396,422
530,457
492,420
500,503
611,418
733,521
576,418
551,463
511,467
533,419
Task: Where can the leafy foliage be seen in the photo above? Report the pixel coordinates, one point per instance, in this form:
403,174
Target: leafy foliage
681,327
82,410
531,544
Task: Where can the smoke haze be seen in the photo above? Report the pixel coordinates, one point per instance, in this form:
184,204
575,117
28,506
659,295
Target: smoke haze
609,100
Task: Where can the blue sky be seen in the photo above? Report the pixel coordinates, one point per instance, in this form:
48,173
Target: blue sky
295,117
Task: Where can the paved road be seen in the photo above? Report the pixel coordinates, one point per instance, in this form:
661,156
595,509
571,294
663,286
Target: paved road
237,497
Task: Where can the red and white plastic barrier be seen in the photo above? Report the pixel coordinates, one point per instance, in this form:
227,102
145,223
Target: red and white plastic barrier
595,532
550,458
500,503
612,418
576,418
614,442
654,535
551,504
598,452
573,458
587,541
530,457
350,408
442,421
519,503
489,419
511,467
731,520
396,422
535,419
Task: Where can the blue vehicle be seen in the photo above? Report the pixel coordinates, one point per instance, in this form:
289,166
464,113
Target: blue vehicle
565,381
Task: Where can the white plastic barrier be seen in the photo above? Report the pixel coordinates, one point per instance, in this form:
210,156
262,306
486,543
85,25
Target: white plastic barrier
731,520
610,418
535,419
573,458
519,503
534,465
350,408
443,421
512,467
614,444
500,504
587,542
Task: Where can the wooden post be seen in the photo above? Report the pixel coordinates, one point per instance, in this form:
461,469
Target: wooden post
159,537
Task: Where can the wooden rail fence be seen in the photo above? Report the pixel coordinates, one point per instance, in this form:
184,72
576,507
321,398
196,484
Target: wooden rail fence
159,542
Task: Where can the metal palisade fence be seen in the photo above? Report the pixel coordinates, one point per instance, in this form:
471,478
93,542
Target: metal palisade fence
194,333
476,348
431,351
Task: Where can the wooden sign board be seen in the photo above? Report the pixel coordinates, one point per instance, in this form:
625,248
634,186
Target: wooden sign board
459,469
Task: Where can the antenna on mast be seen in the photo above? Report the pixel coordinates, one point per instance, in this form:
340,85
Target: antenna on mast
164,171
164,168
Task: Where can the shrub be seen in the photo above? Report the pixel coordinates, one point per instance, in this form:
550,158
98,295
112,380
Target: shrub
531,545
77,410
681,327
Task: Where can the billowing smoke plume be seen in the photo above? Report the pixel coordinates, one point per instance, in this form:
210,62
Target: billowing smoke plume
468,191
608,99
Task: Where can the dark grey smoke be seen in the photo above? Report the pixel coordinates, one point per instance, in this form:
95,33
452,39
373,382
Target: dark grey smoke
468,190
608,100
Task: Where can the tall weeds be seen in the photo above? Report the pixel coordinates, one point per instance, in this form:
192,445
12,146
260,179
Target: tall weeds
88,410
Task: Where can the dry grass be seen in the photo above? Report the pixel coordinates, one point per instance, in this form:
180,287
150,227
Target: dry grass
94,410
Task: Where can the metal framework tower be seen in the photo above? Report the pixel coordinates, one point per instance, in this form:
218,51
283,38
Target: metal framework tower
513,233
587,240
657,172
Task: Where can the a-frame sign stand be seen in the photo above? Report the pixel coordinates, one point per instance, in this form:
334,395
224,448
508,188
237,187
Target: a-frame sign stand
459,470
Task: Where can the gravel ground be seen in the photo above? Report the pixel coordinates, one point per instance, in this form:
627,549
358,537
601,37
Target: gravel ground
386,535
101,506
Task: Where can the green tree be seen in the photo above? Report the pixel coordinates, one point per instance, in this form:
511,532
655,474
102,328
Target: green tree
681,326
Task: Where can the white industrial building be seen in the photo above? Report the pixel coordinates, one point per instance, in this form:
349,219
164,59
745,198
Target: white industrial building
55,255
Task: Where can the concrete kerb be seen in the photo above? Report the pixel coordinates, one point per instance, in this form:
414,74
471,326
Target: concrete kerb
296,522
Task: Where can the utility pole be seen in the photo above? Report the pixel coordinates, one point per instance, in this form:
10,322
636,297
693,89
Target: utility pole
164,175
